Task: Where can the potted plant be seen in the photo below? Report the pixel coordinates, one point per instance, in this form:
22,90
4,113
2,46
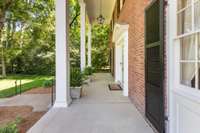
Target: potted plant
76,81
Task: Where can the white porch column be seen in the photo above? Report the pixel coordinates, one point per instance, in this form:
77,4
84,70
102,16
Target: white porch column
62,55
82,47
89,44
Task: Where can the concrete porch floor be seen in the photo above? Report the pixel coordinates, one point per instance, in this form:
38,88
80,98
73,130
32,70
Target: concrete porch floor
98,111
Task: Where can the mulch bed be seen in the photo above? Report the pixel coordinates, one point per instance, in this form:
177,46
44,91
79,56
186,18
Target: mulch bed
8,114
114,87
39,91
29,121
29,118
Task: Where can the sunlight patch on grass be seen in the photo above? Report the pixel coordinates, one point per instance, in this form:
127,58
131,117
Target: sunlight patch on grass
8,83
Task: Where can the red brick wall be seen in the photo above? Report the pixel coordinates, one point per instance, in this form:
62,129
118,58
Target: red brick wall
133,14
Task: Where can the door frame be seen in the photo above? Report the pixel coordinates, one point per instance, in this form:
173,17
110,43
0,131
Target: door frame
162,61
120,34
170,33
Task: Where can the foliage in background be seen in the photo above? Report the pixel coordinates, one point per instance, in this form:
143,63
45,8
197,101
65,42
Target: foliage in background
100,40
28,36
100,46
74,33
88,71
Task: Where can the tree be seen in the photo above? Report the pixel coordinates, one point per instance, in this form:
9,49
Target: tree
28,35
4,6
100,46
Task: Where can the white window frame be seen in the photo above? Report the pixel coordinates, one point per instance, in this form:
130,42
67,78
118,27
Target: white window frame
174,86
178,60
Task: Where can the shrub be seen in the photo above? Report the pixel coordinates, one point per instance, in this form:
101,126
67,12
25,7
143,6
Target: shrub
88,71
11,127
48,83
76,77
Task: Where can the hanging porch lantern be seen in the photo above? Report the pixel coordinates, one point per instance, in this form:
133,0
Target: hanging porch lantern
100,19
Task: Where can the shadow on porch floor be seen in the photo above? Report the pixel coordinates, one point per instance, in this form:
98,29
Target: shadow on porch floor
98,111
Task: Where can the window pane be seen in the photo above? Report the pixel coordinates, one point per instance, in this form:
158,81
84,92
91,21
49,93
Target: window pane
183,3
194,79
188,74
197,15
187,48
184,21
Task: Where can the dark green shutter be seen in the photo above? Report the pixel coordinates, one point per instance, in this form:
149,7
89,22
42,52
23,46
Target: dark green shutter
154,65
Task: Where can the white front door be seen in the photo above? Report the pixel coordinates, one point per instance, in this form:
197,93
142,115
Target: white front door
184,65
119,63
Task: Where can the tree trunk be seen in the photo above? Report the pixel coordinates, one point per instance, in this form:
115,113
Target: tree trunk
1,45
3,64
2,21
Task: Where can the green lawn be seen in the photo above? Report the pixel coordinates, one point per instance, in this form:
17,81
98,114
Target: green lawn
7,85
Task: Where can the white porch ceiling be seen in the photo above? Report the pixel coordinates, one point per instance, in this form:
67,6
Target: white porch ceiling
93,9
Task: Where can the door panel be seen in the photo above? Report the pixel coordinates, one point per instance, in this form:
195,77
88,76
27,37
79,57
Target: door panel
186,114
154,64
118,62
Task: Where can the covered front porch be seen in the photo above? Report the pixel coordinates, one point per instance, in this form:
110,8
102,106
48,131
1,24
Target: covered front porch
99,12
98,111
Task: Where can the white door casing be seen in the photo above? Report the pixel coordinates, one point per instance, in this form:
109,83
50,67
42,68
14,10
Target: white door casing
183,101
120,38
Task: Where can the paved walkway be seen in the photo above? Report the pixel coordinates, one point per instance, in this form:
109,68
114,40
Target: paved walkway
98,111
39,102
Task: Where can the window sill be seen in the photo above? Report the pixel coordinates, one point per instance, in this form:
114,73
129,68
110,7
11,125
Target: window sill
188,92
